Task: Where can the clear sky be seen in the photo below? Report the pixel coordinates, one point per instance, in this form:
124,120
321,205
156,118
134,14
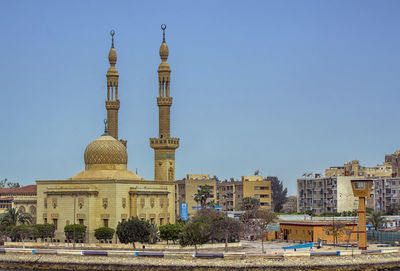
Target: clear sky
280,86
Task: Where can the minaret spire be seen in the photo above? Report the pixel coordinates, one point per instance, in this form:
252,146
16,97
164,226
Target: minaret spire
112,102
164,146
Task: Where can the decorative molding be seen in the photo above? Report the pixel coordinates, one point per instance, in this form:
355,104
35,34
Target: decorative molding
105,203
148,192
105,216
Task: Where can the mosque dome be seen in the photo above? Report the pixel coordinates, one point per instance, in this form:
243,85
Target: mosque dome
106,153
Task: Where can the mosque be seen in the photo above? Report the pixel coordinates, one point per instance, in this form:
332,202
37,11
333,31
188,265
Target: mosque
106,192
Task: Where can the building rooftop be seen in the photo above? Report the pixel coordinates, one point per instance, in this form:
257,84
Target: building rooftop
28,189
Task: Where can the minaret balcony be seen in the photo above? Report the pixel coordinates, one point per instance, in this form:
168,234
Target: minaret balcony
164,101
164,143
112,104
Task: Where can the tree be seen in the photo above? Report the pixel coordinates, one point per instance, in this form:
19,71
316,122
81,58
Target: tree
23,232
249,203
203,193
290,205
279,194
227,227
12,217
210,217
6,183
45,230
257,221
336,229
75,232
134,230
104,233
212,204
171,231
194,233
376,219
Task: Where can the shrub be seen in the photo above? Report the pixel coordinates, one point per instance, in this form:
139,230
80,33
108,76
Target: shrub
104,233
79,231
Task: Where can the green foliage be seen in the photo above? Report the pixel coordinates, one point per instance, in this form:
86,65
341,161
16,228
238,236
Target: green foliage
12,216
194,233
134,230
104,233
23,232
44,230
6,183
171,231
376,219
79,230
212,204
249,203
279,194
203,193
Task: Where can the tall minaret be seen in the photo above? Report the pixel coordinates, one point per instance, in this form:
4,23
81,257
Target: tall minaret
164,146
112,102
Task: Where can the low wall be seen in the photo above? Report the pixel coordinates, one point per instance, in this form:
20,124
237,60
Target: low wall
119,246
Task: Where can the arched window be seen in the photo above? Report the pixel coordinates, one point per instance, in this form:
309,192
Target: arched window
32,210
22,208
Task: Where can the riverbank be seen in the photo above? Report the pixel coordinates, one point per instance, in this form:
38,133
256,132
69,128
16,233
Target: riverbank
99,263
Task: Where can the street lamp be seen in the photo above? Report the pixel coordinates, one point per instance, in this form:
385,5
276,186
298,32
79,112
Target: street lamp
362,189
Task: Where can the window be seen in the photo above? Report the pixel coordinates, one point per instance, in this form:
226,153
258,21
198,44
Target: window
264,196
394,191
264,187
256,188
55,222
161,221
105,222
327,233
263,204
347,232
81,221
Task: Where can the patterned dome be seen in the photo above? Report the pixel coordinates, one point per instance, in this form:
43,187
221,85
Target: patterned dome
105,150
164,52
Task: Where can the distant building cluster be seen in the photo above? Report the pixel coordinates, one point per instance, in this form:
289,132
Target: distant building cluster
226,194
332,192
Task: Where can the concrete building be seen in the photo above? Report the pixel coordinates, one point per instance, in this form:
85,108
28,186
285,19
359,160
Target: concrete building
310,231
326,194
106,192
257,187
230,194
188,187
353,168
394,161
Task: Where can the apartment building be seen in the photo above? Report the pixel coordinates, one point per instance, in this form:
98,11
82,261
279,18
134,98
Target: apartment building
186,188
230,194
326,194
385,193
354,168
257,187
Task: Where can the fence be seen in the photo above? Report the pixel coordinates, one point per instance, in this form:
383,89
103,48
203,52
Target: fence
383,237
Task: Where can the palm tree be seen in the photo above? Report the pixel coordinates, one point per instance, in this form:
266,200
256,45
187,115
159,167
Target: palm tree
376,219
12,217
203,193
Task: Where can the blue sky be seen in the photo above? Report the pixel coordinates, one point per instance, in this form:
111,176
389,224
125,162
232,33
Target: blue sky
280,86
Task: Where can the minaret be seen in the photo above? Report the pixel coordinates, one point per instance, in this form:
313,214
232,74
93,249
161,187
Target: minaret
112,102
164,146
